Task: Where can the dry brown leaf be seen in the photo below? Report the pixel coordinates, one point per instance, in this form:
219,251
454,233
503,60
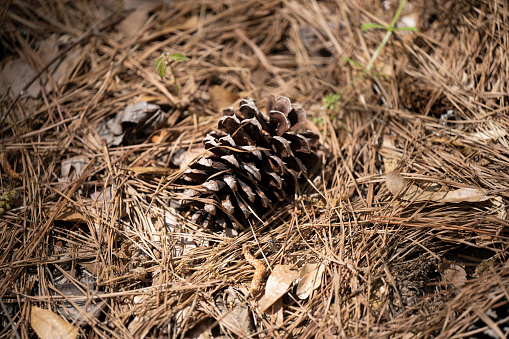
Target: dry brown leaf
49,325
115,129
278,283
72,168
70,215
276,312
191,23
311,278
260,76
222,98
237,320
150,170
396,184
454,275
131,25
80,311
67,65
16,74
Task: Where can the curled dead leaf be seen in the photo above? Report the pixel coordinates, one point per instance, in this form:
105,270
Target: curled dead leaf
278,283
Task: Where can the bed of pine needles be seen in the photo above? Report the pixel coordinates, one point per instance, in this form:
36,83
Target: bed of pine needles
433,107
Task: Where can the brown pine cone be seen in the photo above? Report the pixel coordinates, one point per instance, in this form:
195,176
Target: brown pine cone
255,161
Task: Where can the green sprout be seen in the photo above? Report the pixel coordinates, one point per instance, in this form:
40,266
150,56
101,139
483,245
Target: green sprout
164,61
334,99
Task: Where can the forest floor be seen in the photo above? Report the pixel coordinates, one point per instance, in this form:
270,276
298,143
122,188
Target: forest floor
402,232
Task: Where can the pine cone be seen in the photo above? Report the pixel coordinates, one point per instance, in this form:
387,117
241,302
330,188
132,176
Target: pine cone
254,162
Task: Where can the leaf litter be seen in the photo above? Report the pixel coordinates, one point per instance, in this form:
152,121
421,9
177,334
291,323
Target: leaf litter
421,252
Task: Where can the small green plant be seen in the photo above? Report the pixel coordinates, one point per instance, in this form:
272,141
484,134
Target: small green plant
164,61
334,99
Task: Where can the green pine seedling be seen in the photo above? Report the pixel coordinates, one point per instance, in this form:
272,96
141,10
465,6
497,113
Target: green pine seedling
164,61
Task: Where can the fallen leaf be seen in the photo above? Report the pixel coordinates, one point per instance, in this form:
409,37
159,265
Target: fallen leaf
103,196
48,49
260,76
67,65
222,98
49,325
133,116
80,311
132,24
278,283
397,185
78,163
237,320
395,182
17,73
310,279
191,23
70,215
276,313
454,275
